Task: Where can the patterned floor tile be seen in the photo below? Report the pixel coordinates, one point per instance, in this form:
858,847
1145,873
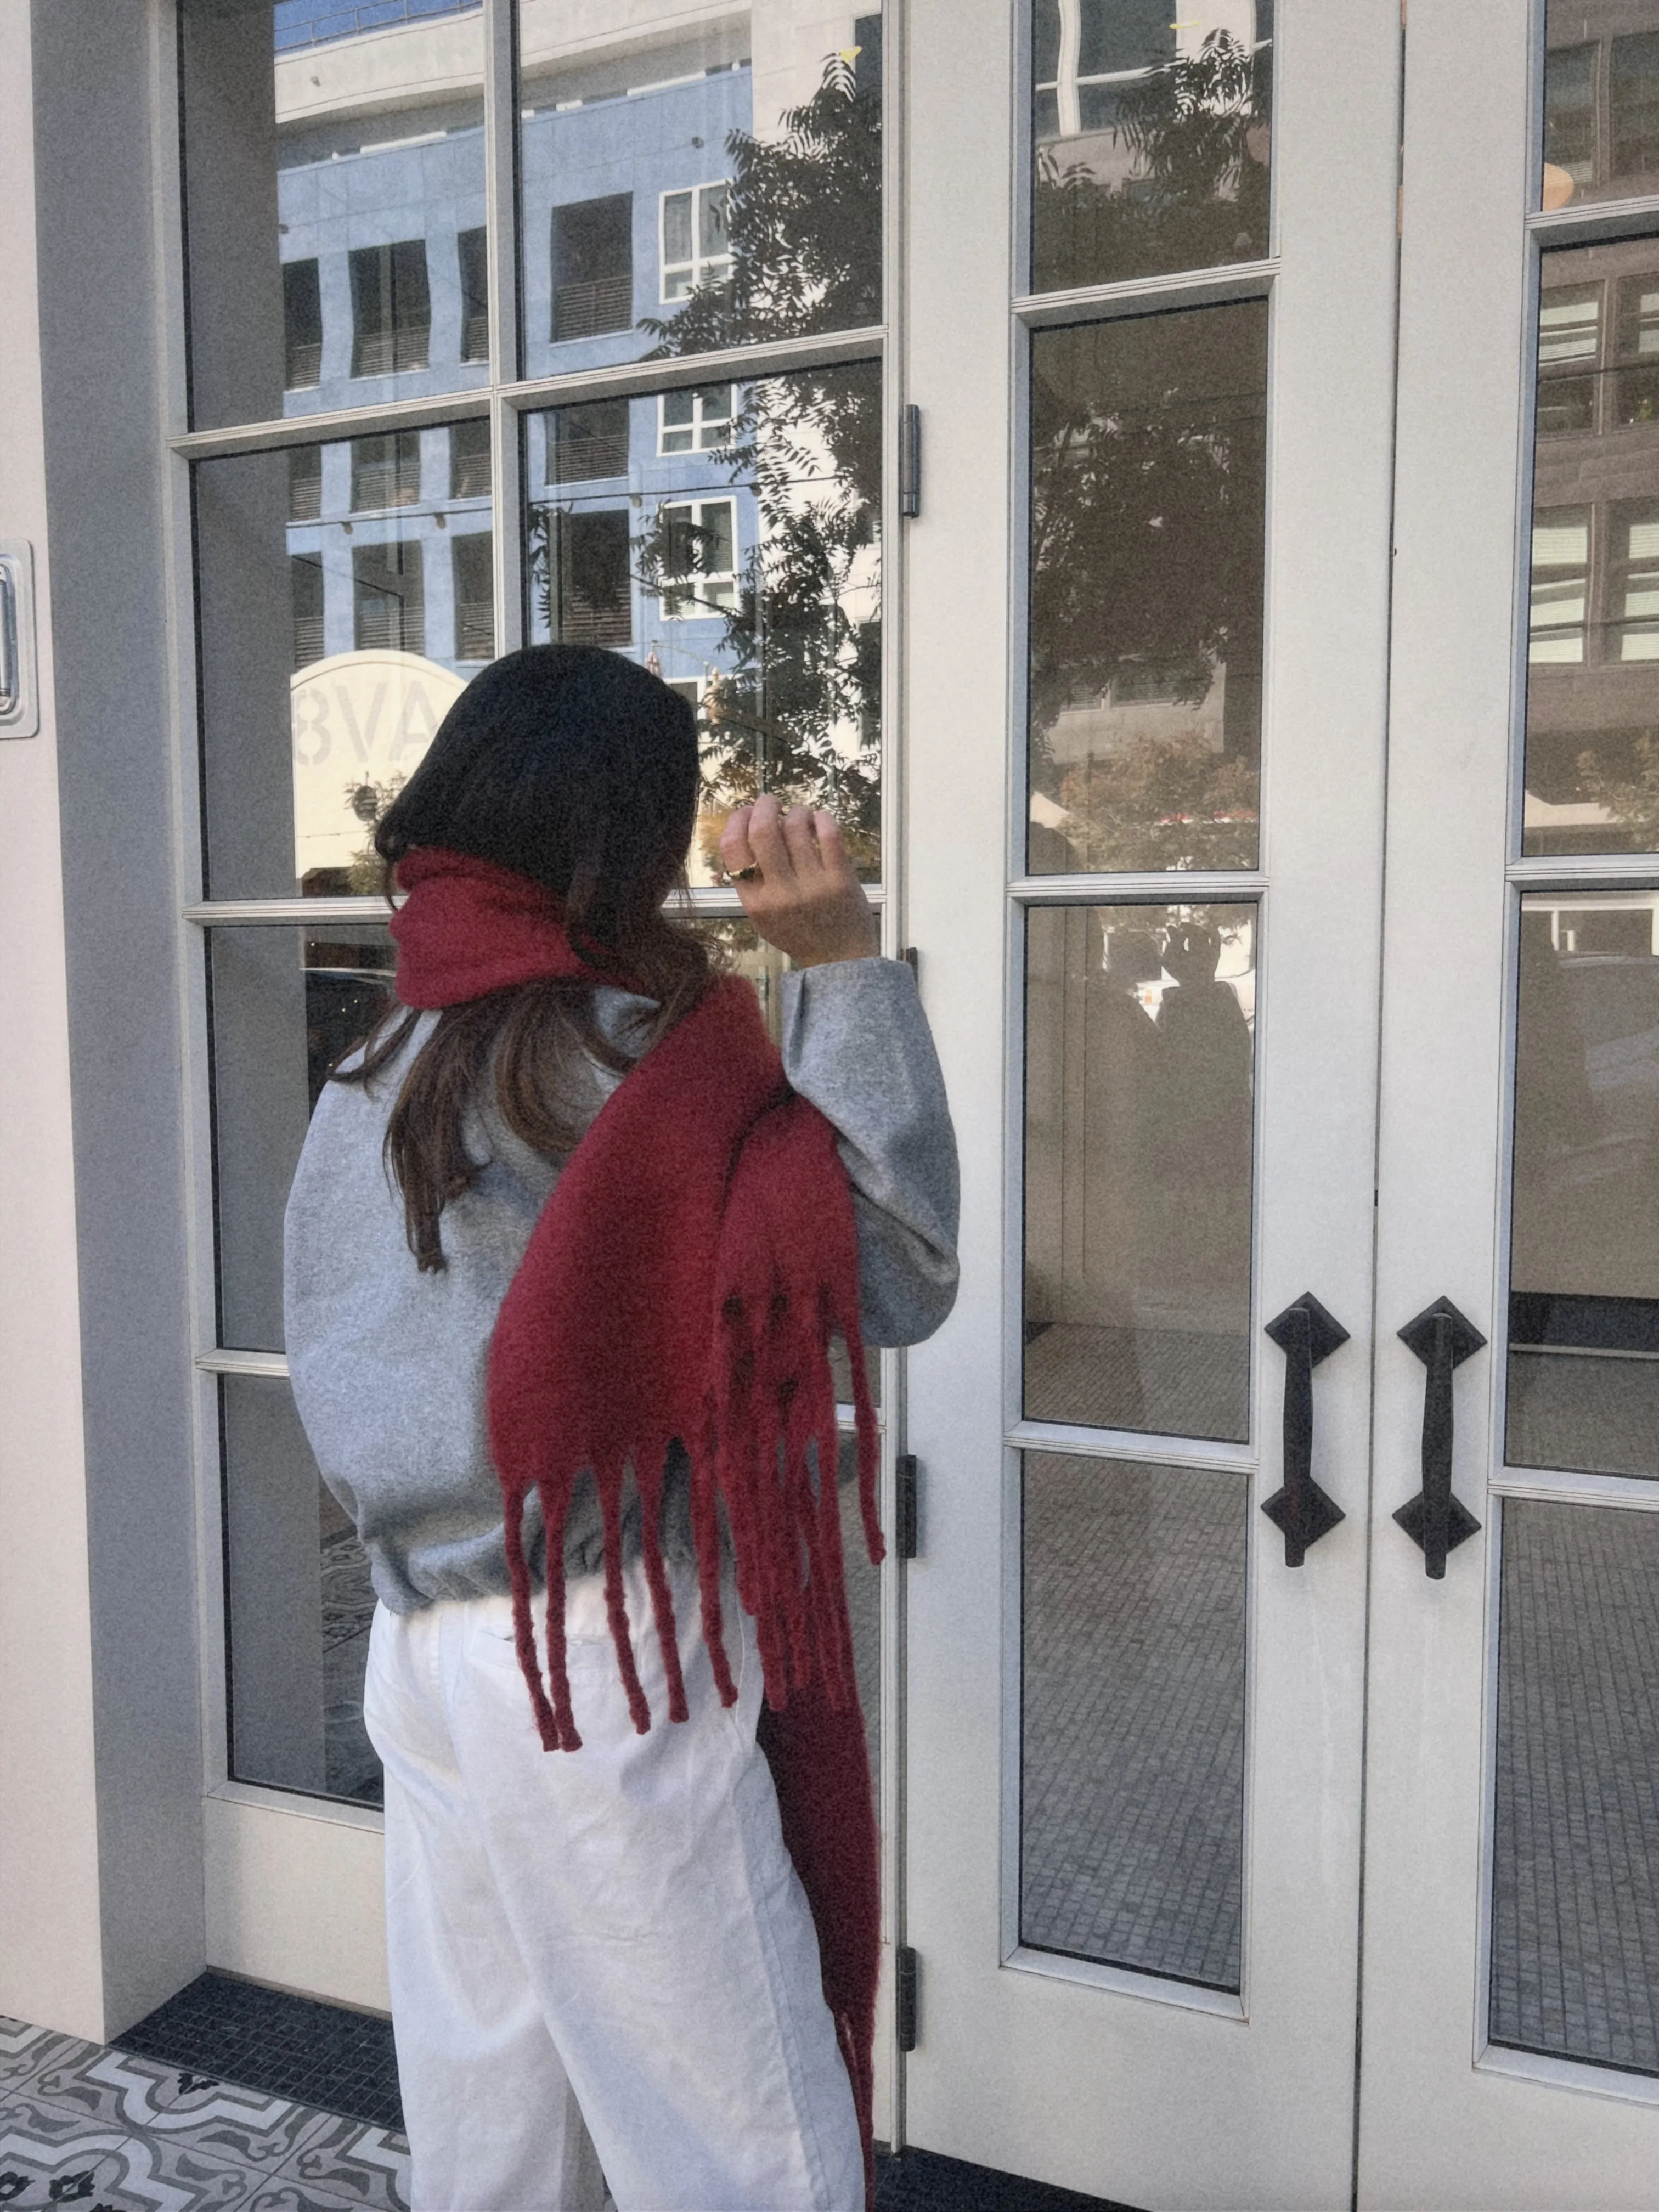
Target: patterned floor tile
46,2165
114,2089
355,2165
24,2050
285,2194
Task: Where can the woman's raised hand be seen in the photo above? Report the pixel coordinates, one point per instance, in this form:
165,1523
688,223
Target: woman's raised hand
797,884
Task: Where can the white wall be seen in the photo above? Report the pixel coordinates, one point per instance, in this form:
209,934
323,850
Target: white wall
101,1892
51,1949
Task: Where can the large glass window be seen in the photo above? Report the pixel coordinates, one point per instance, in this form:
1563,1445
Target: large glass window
714,182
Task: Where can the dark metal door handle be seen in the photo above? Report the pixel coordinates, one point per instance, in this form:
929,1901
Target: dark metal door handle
1305,1334
1443,1339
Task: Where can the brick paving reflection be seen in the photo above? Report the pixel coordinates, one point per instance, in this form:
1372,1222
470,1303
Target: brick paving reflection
1576,1857
1132,1823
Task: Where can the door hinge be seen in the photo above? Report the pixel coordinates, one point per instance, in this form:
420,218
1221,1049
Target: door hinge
904,1996
910,461
905,1485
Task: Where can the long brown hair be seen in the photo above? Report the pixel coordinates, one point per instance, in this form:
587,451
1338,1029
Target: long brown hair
578,769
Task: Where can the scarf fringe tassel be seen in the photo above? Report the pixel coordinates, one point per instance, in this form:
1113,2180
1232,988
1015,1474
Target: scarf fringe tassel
754,1458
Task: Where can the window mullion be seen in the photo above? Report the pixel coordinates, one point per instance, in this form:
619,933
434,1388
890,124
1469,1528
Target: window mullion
501,188
507,464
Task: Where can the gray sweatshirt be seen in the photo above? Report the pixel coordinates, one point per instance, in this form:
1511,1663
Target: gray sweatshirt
388,1364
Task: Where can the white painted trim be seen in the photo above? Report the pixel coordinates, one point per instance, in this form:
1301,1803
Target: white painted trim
739,364
1145,295
1124,1981
1568,2073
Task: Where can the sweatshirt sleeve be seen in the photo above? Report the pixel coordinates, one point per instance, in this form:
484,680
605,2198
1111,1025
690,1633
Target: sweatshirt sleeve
856,1042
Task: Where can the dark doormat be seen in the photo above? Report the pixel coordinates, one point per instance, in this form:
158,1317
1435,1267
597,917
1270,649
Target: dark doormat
922,2181
343,2062
313,2054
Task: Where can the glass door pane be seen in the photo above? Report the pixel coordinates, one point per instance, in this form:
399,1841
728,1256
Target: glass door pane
334,169
1132,1793
1575,1946
714,182
1150,137
1139,1115
1148,485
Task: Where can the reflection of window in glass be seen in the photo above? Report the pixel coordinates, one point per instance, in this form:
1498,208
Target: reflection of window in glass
469,459
302,324
593,266
1638,349
305,574
589,442
1570,111
696,250
474,574
390,308
1634,581
699,542
590,595
1084,49
695,421
1150,136
1633,104
304,483
690,689
391,605
1560,584
1569,350
795,549
867,54
386,471
469,247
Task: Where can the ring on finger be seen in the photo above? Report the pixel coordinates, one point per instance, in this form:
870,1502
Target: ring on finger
744,875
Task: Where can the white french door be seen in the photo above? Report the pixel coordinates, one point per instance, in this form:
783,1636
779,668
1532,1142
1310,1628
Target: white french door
1233,1882
1134,1785
1510,1983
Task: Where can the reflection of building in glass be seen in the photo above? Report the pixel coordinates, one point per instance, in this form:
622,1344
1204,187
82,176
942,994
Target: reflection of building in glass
1601,102
385,292
1593,688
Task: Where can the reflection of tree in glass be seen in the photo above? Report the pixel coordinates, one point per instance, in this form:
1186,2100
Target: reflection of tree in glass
1628,788
1161,803
368,801
1146,564
796,708
1197,130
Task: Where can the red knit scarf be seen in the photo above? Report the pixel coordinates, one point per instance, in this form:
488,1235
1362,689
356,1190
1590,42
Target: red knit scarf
683,1282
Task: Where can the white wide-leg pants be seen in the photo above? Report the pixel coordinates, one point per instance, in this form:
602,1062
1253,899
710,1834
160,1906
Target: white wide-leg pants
601,1958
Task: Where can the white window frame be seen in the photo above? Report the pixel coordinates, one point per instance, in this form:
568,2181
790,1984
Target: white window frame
702,268
716,589
697,431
